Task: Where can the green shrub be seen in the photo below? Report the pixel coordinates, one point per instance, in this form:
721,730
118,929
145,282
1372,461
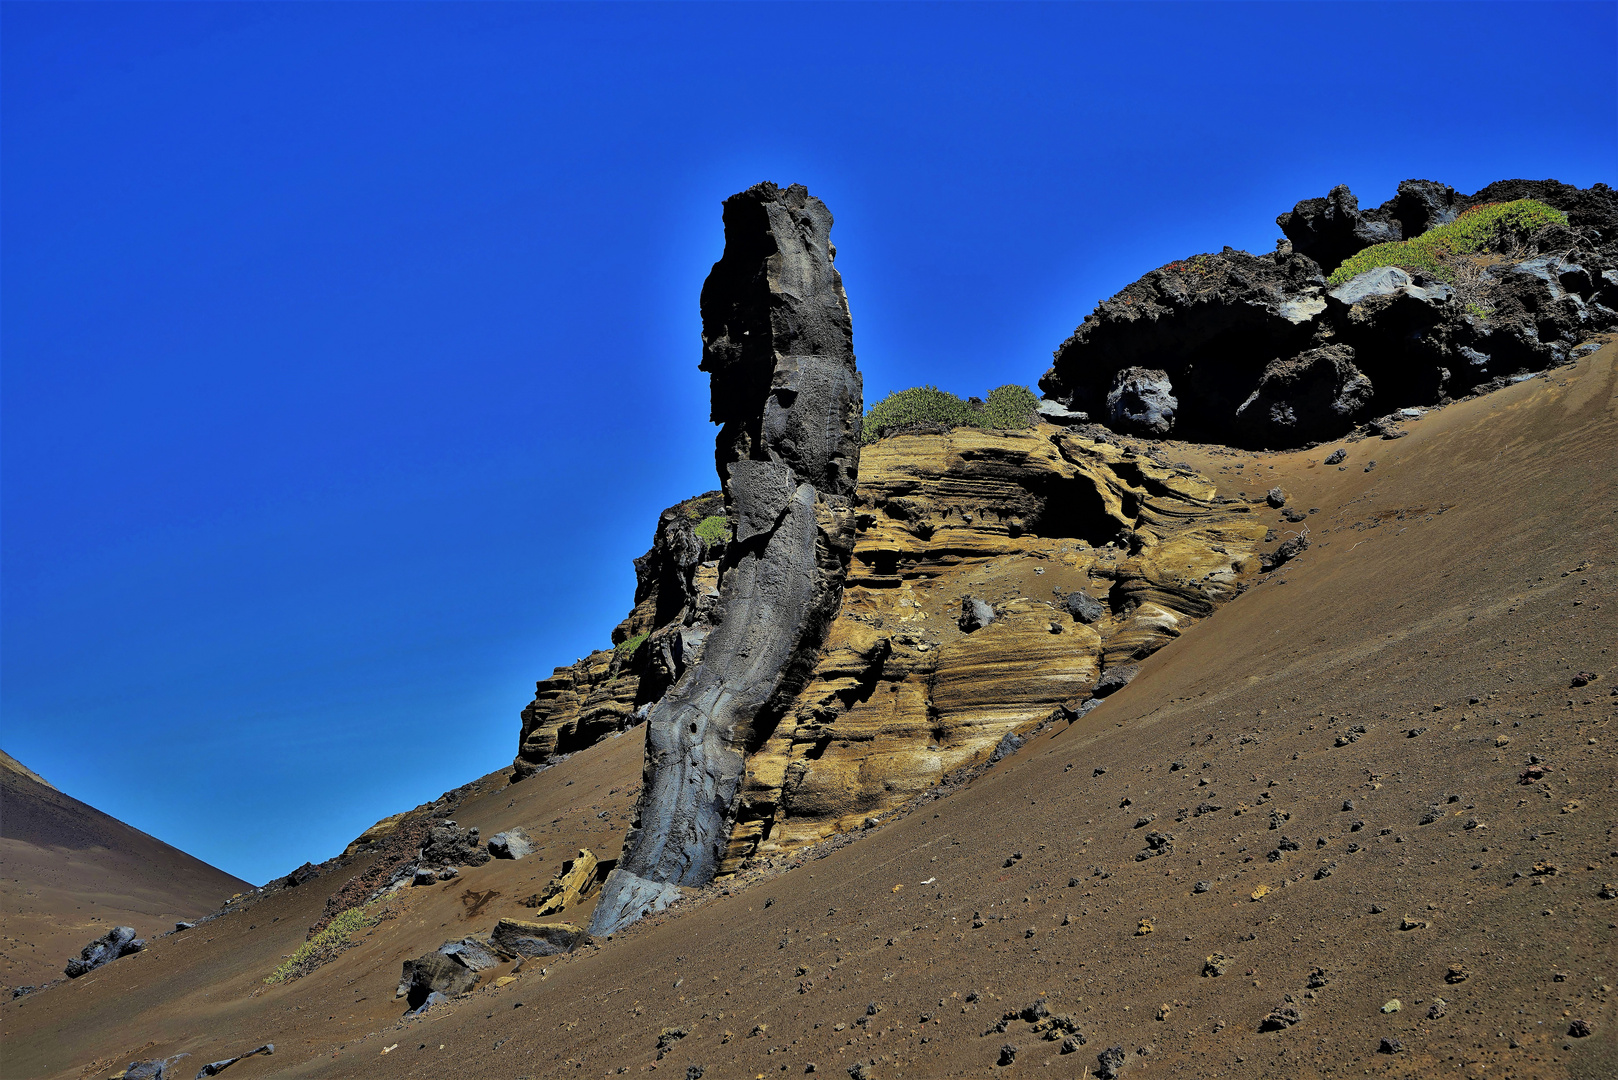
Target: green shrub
1009,406
335,938
1433,253
713,528
627,648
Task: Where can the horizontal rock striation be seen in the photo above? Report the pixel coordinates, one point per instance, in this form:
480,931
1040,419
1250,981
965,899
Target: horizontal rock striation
1089,557
778,347
1258,351
676,586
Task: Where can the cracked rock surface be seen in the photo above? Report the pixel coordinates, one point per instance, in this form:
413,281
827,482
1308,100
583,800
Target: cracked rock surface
778,347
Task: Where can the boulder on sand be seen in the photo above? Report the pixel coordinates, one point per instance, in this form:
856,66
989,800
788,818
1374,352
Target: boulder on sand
452,969
526,939
119,941
511,844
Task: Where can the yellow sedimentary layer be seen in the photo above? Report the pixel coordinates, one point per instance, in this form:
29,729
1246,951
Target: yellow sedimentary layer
900,696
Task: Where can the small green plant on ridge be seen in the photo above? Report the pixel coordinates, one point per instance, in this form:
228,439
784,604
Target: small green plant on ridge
713,529
1434,253
1006,407
628,647
335,938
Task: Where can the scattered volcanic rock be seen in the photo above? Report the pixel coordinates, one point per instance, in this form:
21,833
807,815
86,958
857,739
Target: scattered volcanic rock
119,941
778,347
306,872
1256,351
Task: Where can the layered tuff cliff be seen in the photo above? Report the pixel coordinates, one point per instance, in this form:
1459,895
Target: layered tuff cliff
1087,554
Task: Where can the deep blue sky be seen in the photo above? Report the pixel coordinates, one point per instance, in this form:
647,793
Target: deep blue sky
350,351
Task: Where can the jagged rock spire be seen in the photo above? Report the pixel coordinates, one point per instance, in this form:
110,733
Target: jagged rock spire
778,347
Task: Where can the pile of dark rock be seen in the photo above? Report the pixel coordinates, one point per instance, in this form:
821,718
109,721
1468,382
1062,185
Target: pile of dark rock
1258,350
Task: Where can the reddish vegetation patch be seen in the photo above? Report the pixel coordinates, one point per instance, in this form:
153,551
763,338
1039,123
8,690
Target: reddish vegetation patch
393,851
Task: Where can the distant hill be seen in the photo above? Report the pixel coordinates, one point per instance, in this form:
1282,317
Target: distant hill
69,871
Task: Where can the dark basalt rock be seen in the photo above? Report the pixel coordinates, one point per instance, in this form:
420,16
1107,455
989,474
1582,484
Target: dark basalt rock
1329,230
778,347
117,942
449,845
1208,324
1255,351
975,614
1142,402
450,970
1306,397
1084,607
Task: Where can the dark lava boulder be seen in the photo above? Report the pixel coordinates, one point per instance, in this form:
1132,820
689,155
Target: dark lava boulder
1142,402
1329,230
452,969
119,941
449,845
1258,351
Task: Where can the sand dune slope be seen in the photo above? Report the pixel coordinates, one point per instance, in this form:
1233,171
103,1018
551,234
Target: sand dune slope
68,872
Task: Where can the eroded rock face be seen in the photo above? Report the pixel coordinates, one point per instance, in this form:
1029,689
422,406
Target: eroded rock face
903,694
1308,397
676,586
1238,340
778,347
1129,551
1329,230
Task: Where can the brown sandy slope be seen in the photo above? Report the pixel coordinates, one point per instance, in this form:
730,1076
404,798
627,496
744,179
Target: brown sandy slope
68,873
1477,560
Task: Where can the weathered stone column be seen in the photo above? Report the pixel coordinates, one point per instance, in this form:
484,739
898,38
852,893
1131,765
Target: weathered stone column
778,347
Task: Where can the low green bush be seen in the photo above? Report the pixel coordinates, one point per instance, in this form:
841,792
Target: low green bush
1006,407
627,648
335,938
713,528
1434,252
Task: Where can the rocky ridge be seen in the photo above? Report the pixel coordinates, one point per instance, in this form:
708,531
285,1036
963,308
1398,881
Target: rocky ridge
1258,351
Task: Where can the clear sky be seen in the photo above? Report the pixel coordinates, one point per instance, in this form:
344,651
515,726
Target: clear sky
349,351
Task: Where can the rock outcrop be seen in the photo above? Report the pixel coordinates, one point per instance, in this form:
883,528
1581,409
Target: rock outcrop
1257,351
1074,556
812,648
452,969
1090,556
778,347
676,586
528,939
575,881
117,942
